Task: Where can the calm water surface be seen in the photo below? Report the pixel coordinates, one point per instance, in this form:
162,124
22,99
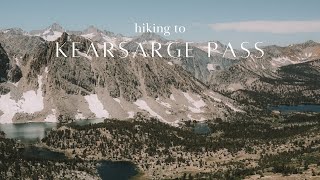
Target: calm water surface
34,131
298,108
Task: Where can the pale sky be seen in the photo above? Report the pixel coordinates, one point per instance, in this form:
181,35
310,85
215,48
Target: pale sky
272,22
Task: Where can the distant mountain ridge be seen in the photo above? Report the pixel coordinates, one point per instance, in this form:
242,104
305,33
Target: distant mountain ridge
38,86
54,88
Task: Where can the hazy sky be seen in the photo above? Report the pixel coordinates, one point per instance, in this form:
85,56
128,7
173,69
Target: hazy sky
271,21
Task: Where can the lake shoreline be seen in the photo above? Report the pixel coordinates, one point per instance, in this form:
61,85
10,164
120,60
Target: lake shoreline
30,134
138,174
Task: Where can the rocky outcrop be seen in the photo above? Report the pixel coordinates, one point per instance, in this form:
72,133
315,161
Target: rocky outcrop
4,65
14,74
97,87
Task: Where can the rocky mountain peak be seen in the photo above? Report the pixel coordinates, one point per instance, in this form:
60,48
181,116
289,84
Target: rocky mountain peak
92,29
14,31
150,37
56,27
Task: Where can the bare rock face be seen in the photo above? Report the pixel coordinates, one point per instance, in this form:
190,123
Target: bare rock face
4,65
87,86
4,90
36,85
15,74
285,75
196,65
130,78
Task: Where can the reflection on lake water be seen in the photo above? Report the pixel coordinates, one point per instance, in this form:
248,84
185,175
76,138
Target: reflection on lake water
27,132
33,131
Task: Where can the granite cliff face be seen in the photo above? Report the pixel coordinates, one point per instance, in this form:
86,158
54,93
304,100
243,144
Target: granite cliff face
200,65
38,86
4,65
285,75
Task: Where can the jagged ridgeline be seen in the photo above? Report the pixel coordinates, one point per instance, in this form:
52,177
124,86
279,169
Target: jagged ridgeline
37,85
285,75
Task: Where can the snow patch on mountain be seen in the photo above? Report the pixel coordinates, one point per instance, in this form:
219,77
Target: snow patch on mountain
51,36
30,102
5,31
117,100
213,96
233,107
79,115
144,106
197,119
172,97
210,67
51,117
96,106
163,103
88,36
308,55
281,61
15,84
219,98
131,114
284,61
197,104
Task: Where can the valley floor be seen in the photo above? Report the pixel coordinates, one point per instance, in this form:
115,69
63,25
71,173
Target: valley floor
282,146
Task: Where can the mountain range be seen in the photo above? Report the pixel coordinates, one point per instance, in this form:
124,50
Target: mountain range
35,85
